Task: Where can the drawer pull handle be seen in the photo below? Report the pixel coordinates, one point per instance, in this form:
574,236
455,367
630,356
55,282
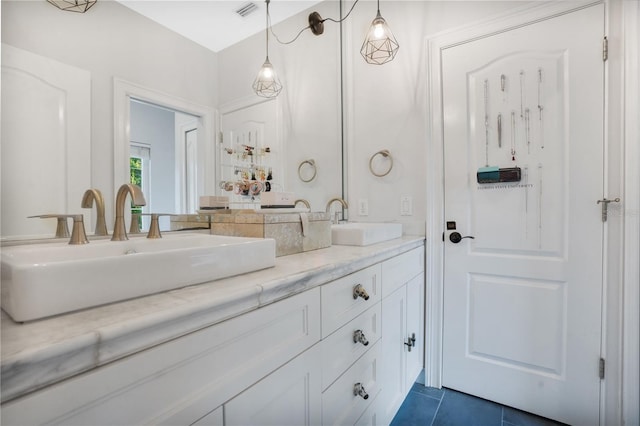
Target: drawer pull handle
358,390
358,336
411,341
359,291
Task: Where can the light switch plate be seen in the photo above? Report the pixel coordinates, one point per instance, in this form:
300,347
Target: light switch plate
363,207
406,205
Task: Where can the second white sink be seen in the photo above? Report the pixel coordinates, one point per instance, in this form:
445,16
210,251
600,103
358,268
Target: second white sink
41,280
364,234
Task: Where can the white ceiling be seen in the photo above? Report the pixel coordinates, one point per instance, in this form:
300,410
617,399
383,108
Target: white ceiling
214,24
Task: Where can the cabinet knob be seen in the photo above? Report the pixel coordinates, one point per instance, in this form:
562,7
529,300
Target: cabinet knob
358,336
359,291
358,390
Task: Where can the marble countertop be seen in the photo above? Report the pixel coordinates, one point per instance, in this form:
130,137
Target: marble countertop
39,353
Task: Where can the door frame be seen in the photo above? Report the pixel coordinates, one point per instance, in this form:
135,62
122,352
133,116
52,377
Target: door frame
618,397
123,91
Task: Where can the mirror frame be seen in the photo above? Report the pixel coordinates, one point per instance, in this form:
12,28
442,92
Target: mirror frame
123,91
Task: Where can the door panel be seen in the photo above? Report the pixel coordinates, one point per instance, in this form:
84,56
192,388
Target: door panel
43,100
522,301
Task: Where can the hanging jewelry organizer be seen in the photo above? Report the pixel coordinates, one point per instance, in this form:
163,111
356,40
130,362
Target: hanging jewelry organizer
517,126
247,166
311,166
385,154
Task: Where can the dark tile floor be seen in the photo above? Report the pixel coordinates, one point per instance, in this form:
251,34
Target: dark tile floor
426,406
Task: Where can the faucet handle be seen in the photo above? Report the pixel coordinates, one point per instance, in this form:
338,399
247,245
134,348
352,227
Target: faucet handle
134,227
154,228
78,235
62,228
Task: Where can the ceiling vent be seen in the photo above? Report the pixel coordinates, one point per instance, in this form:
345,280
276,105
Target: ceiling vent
247,9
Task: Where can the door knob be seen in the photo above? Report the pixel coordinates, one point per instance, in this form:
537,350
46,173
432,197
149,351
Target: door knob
455,237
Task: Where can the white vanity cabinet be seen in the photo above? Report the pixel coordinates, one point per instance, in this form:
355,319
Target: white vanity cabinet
335,354
182,381
402,321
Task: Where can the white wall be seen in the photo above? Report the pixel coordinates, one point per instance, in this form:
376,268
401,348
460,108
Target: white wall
112,41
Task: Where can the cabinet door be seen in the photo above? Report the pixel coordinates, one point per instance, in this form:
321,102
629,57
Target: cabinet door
393,359
414,326
290,395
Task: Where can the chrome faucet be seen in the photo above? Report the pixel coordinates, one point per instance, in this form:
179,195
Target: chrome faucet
341,201
94,196
137,198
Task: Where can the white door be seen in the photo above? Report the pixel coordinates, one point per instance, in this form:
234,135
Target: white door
522,300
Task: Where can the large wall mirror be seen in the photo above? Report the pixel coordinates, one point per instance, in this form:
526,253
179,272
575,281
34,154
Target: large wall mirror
136,66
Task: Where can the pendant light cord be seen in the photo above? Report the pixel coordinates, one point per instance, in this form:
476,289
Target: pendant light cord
267,29
308,26
346,16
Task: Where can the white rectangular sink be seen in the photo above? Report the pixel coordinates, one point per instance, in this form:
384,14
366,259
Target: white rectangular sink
364,234
41,280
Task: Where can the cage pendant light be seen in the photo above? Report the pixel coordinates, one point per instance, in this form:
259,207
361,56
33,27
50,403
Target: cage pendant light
267,83
380,46
79,6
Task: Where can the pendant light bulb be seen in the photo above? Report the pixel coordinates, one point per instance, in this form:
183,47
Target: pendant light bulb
266,83
380,46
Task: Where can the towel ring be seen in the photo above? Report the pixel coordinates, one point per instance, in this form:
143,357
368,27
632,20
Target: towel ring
311,163
385,153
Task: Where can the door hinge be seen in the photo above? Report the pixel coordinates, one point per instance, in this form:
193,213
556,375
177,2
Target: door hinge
605,49
220,137
601,369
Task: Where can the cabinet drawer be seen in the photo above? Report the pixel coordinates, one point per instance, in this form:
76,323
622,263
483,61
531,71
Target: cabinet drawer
214,418
337,298
339,350
340,406
182,380
373,415
397,271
